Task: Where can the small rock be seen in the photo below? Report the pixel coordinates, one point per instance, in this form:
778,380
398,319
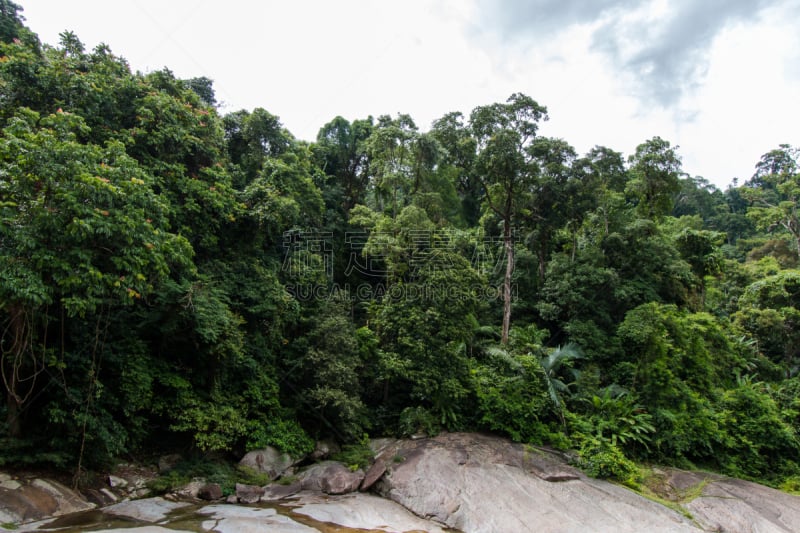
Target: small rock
10,484
191,489
141,493
117,482
278,492
249,493
210,492
232,499
101,497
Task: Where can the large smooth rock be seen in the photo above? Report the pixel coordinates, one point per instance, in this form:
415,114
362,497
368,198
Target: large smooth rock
235,519
331,477
26,501
361,511
735,505
148,510
476,483
268,461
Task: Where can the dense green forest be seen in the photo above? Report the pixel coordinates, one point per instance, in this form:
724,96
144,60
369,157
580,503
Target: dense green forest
175,278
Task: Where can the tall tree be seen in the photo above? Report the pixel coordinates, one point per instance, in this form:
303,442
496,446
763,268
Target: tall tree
506,169
655,170
774,192
81,229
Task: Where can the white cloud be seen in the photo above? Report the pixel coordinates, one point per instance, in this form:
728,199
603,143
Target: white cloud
308,61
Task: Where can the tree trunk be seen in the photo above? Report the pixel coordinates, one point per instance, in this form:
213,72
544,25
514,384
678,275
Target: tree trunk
509,246
12,416
11,360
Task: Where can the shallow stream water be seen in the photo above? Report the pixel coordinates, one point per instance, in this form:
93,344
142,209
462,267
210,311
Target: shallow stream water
184,519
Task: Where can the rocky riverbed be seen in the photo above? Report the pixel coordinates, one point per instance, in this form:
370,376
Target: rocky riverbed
453,482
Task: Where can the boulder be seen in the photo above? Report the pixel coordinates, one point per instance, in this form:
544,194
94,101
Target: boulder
29,500
249,493
191,490
268,461
210,492
331,477
479,483
276,491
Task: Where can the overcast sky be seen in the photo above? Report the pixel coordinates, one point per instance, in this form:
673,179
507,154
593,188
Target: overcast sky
719,78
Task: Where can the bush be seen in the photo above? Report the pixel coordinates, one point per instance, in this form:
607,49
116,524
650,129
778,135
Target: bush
601,459
414,420
511,400
285,435
357,455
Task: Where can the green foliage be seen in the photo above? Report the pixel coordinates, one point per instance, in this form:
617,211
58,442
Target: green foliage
512,389
356,455
602,459
760,443
615,417
212,471
285,435
153,257
418,420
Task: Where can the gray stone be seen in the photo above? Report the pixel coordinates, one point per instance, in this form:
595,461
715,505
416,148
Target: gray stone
150,510
268,461
235,519
117,482
249,493
478,483
276,492
361,511
374,473
210,492
728,504
331,477
10,484
191,489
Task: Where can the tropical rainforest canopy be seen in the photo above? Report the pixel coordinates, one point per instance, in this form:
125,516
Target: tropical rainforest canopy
174,278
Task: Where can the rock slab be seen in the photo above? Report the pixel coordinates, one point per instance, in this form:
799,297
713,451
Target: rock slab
476,483
30,500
